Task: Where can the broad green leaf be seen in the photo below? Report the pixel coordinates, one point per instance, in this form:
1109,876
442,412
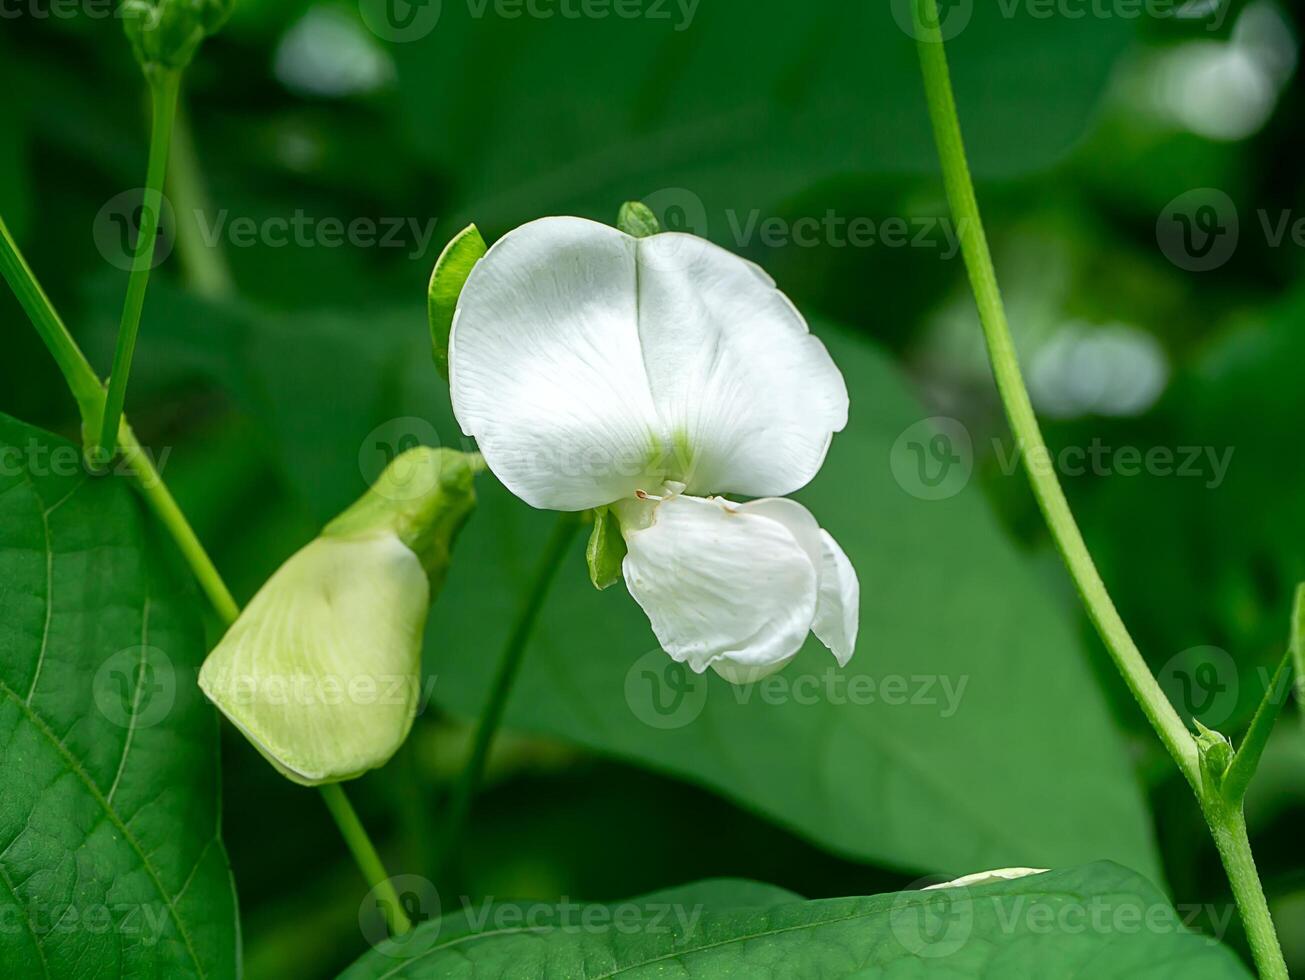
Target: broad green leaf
932,750
1097,922
728,113
451,270
111,861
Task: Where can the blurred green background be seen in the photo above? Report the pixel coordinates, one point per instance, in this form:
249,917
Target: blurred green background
1141,182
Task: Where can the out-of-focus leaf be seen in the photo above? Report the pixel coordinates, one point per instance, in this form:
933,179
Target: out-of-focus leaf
733,112
1082,922
111,861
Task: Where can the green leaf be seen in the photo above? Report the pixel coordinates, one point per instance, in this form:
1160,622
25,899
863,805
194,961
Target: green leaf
111,862
1097,922
605,551
931,751
446,281
689,104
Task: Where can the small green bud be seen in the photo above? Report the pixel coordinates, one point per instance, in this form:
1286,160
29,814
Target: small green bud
165,34
1216,755
322,670
636,218
606,549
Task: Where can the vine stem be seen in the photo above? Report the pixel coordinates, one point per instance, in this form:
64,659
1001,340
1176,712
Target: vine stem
508,665
355,835
203,263
89,393
164,86
1225,819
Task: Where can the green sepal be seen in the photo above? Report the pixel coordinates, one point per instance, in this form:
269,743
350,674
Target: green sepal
424,497
606,549
165,34
636,218
446,282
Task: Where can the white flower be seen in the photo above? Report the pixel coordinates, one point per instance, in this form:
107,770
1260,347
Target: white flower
651,374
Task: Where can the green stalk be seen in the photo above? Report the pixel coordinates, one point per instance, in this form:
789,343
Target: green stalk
89,392
1238,776
469,780
76,369
164,86
355,835
1225,819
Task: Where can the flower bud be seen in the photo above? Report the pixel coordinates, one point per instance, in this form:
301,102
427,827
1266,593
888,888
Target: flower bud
322,670
165,33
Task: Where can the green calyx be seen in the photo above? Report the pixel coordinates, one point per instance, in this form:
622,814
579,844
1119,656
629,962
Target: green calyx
423,497
636,218
165,34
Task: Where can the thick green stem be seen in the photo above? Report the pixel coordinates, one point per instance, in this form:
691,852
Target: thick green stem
1001,350
1228,827
355,835
1225,819
469,780
164,86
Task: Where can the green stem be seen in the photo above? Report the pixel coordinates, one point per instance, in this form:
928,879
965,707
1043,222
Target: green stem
1238,775
164,86
1001,350
1228,827
1225,820
355,835
203,263
469,780
77,371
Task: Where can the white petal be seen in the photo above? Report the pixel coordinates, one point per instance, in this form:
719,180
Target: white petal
743,388
838,609
721,583
546,369
321,670
588,364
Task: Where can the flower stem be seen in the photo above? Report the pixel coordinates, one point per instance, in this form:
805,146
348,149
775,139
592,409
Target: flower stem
469,780
355,835
164,86
89,393
1226,822
1001,350
1238,776
76,369
1228,827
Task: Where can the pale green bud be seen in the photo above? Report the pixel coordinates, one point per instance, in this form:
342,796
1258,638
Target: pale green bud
322,671
164,34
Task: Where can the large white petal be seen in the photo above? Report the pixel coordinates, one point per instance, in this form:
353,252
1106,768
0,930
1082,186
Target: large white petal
546,369
721,585
838,609
743,388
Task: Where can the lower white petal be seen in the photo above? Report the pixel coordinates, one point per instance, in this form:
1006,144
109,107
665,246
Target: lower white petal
838,608
721,583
